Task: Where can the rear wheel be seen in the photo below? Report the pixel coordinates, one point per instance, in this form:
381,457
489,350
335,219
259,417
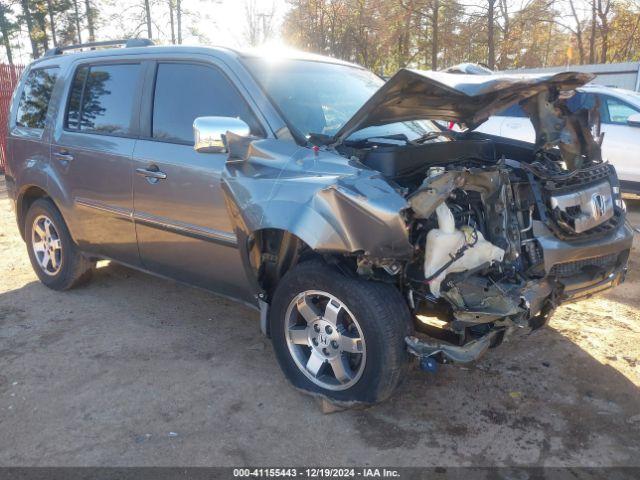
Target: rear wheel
340,337
54,256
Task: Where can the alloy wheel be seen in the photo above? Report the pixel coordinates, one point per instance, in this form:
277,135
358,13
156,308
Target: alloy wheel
325,340
46,245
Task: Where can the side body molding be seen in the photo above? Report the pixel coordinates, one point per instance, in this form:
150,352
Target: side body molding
332,204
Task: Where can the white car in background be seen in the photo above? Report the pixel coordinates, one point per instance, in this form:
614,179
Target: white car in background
620,117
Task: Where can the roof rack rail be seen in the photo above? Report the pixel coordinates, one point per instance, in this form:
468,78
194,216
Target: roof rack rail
128,43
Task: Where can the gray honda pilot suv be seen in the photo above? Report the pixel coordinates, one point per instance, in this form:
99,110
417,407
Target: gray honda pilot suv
338,205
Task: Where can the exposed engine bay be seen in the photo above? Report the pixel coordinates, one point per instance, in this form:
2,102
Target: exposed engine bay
484,213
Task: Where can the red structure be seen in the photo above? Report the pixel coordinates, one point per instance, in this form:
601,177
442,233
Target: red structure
9,75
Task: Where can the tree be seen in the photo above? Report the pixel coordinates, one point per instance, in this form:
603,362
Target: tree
7,29
173,29
491,38
26,16
147,9
179,20
52,22
77,20
90,14
603,8
578,31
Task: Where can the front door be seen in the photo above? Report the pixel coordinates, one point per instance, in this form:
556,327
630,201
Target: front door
92,149
621,140
182,224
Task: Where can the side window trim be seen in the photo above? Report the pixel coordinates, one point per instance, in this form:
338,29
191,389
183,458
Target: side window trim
134,122
148,103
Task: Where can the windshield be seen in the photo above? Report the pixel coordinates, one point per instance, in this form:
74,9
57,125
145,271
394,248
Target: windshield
317,97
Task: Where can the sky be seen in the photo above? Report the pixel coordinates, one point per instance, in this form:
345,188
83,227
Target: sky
208,22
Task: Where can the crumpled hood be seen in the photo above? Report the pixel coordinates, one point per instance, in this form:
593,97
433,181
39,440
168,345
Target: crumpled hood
469,99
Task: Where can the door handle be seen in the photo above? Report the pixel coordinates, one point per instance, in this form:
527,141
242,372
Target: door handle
152,172
63,156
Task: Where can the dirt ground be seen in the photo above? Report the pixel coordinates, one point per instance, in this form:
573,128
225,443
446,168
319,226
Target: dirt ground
135,370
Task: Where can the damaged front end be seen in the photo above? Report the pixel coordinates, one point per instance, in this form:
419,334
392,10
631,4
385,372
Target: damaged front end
503,231
484,236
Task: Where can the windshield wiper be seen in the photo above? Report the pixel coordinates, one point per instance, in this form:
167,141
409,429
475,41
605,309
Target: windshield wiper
432,135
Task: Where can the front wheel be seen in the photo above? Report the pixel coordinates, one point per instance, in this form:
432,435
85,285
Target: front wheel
339,337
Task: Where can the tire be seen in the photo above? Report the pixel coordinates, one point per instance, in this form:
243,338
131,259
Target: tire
66,267
369,353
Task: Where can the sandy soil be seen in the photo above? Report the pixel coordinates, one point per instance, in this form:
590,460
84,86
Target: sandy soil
135,370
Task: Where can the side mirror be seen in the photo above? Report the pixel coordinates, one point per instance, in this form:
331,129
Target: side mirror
634,120
209,132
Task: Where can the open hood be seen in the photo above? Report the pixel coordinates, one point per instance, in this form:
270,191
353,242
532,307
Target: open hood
469,99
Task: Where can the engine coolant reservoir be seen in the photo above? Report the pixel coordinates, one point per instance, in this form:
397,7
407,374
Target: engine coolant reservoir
443,243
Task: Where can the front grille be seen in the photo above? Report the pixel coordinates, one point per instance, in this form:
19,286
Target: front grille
588,265
579,178
599,231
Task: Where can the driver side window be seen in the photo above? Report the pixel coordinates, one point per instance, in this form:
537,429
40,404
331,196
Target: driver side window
185,91
616,111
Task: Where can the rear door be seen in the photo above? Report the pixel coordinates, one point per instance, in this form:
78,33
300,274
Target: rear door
92,149
182,223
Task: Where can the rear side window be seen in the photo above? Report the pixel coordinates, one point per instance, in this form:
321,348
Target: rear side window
35,97
184,92
102,99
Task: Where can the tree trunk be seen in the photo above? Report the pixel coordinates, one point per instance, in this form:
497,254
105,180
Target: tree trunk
77,21
90,26
35,51
173,29
605,41
491,58
592,39
147,9
52,23
179,21
603,14
435,31
578,32
504,10
4,29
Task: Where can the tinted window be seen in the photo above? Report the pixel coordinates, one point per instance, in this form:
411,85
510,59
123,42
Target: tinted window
617,111
73,113
34,100
102,98
184,92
